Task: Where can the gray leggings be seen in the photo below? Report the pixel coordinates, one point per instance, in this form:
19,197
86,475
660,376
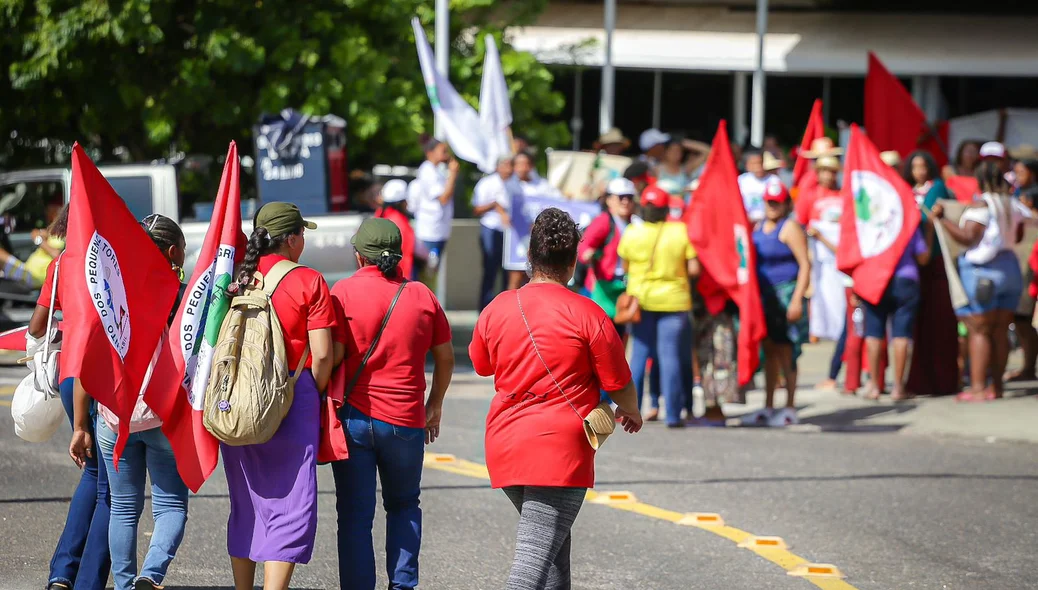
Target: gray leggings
542,541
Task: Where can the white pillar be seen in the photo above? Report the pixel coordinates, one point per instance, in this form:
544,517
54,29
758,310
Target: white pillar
740,89
757,120
657,98
919,90
577,124
606,104
443,28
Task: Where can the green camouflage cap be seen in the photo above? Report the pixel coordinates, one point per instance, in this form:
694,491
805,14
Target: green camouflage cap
377,238
280,218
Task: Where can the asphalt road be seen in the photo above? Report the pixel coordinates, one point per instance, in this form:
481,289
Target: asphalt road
890,510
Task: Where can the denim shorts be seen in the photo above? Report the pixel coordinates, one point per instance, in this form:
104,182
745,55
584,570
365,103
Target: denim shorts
1004,272
900,304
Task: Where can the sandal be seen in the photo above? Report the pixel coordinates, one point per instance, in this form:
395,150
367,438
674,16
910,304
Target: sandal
967,397
873,395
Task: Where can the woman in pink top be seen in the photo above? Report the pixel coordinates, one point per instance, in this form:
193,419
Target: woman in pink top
147,450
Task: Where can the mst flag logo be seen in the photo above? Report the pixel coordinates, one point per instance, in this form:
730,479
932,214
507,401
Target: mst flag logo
105,282
742,272
879,212
206,305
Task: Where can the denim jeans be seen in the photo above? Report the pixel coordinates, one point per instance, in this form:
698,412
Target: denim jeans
662,335
150,453
396,453
81,557
492,244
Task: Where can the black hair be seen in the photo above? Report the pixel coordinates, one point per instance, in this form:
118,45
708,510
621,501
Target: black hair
553,244
991,179
636,170
751,152
654,214
163,231
1032,165
260,244
1029,196
428,142
932,172
387,265
962,148
524,154
59,227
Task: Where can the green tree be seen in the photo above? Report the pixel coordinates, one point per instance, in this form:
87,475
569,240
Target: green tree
154,75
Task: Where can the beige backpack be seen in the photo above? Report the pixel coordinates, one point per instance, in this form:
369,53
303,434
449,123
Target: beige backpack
250,390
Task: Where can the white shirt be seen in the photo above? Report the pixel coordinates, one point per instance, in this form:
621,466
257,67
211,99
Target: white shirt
537,187
432,218
752,189
492,189
1001,219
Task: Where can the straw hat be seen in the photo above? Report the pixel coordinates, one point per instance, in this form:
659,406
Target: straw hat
612,137
772,163
827,163
822,146
1024,151
891,158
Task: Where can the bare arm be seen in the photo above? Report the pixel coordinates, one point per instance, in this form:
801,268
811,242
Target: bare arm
82,446
924,258
811,232
322,355
796,239
698,153
38,321
626,401
443,370
694,268
969,235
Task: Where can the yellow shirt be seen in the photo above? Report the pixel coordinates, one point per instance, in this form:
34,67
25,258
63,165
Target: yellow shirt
664,287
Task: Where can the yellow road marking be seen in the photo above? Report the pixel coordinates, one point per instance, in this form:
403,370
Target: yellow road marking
791,562
7,390
4,402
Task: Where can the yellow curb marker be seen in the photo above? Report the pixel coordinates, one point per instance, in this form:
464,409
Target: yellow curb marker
773,549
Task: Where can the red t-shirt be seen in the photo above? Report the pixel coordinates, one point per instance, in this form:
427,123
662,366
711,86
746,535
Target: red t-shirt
533,436
302,303
406,237
818,204
45,289
392,386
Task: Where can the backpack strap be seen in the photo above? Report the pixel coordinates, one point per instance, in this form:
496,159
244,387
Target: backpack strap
374,342
268,283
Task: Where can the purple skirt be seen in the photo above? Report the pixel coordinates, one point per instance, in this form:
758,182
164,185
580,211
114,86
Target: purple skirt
273,486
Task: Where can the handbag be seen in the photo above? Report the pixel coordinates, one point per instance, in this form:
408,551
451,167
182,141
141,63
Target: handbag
628,308
601,421
333,446
36,406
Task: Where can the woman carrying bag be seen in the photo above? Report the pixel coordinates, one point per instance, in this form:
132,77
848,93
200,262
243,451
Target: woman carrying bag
550,351
392,326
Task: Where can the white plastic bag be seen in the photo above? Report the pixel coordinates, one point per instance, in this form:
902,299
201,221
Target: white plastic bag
37,415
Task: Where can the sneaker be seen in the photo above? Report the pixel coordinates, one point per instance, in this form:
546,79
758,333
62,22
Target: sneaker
784,417
759,418
145,584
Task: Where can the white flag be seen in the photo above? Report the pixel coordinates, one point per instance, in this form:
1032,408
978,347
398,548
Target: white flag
495,112
459,120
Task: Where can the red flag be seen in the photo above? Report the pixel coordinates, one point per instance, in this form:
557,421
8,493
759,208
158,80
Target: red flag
803,176
188,357
14,339
965,188
883,217
116,292
720,232
893,120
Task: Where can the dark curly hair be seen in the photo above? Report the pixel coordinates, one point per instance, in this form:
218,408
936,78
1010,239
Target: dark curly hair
260,244
991,179
932,171
387,265
163,231
553,244
654,214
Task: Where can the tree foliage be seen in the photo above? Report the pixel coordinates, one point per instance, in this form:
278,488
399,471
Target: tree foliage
149,76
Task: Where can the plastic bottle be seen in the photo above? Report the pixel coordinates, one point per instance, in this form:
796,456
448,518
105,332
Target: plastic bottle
858,317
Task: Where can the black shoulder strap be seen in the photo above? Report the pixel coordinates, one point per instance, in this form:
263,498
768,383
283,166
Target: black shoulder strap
374,342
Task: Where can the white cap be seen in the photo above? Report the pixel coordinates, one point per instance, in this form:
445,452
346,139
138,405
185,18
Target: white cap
394,191
993,149
651,138
621,187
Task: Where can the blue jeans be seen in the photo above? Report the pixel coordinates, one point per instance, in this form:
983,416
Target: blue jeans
396,454
492,244
150,453
663,336
81,557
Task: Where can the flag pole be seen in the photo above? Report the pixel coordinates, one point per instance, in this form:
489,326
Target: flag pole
443,28
757,113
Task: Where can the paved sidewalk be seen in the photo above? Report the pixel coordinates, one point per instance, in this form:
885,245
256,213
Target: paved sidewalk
1013,419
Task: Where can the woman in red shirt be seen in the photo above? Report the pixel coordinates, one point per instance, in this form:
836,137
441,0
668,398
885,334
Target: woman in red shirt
273,486
550,351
